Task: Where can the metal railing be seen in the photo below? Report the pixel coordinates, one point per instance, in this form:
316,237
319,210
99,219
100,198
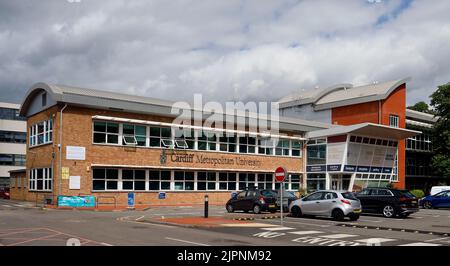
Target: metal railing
97,202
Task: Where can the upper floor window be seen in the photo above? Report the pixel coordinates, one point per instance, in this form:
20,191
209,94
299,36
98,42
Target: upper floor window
106,132
44,99
393,121
12,159
137,134
11,114
13,137
160,137
41,133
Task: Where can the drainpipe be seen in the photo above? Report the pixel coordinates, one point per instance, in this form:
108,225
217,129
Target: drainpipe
60,148
379,112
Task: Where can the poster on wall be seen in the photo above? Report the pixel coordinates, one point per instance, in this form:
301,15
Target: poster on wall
75,153
74,182
76,202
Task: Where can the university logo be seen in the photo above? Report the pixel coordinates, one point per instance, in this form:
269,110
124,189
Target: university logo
163,157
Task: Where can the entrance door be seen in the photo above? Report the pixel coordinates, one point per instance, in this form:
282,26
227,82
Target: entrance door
336,182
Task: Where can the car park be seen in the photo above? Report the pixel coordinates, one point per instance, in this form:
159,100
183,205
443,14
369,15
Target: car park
388,202
256,200
439,200
329,203
4,193
288,197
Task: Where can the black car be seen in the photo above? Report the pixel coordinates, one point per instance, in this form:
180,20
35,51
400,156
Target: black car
388,202
255,200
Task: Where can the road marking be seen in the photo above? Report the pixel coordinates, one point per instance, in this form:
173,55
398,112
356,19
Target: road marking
185,241
278,228
140,218
417,244
372,221
375,240
35,239
247,225
306,232
339,236
317,225
438,239
106,244
436,216
7,206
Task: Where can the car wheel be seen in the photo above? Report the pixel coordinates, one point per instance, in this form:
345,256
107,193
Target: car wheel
230,208
388,211
256,209
427,205
296,212
337,215
354,217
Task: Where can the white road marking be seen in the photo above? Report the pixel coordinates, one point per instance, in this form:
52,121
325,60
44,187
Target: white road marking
375,240
106,244
372,221
140,218
339,236
318,225
7,206
278,228
419,244
439,239
247,225
185,241
306,232
436,216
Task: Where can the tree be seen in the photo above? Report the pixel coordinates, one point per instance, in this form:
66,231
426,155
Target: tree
421,107
440,101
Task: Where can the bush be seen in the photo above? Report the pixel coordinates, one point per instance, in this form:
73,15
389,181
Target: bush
418,193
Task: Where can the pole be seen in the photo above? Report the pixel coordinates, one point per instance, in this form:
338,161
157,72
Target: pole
60,149
281,200
206,206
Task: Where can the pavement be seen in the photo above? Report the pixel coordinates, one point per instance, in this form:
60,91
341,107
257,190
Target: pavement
22,223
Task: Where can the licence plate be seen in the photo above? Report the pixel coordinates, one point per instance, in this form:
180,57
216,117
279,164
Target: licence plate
357,211
414,202
272,206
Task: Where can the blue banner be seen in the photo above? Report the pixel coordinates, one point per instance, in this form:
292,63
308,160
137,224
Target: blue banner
130,199
363,169
316,168
387,170
349,168
376,170
334,168
76,201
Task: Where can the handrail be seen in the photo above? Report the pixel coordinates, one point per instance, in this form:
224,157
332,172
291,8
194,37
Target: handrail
105,197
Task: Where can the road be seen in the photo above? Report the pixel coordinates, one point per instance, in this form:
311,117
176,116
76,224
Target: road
23,224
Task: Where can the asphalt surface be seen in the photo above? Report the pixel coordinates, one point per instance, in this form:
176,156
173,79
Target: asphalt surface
23,224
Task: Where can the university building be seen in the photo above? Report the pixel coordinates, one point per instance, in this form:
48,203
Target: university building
90,142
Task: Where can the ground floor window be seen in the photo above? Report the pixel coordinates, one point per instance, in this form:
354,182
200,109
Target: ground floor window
159,180
184,180
133,179
315,182
370,180
246,180
41,179
206,181
105,179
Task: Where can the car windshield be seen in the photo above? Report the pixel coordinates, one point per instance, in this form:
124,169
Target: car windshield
407,194
286,194
349,195
268,193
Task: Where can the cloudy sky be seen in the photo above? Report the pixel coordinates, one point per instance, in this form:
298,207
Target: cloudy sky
224,49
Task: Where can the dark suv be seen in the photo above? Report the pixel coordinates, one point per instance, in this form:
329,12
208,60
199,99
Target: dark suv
255,200
388,202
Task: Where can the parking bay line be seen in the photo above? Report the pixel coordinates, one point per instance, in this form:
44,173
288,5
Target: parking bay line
187,242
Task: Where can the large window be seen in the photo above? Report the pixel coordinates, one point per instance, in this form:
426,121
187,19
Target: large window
317,154
282,147
135,133
265,181
106,132
296,148
420,143
12,159
184,180
206,181
265,146
296,182
13,137
159,180
41,133
227,143
315,182
227,181
41,179
105,179
160,137
207,141
247,144
246,180
11,114
133,179
185,139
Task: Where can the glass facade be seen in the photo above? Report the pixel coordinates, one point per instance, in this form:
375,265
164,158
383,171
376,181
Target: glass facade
11,114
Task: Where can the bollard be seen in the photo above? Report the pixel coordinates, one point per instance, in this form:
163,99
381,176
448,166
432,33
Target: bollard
206,206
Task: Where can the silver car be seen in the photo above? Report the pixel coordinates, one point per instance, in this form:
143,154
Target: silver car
337,204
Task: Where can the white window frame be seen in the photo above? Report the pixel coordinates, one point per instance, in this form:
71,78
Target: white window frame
394,121
47,179
47,133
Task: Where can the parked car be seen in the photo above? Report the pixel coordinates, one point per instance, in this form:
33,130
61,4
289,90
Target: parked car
437,189
332,203
439,200
256,200
388,202
4,193
288,197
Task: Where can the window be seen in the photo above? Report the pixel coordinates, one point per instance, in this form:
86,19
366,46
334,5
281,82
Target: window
105,179
44,99
314,196
40,179
133,179
12,159
206,181
265,181
393,121
13,137
41,133
106,132
134,134
185,139
247,144
295,182
296,148
315,182
161,137
207,141
282,147
317,154
184,180
266,146
159,180
227,181
11,114
227,143
246,181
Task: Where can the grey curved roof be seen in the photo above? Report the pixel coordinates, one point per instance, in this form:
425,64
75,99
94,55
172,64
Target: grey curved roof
99,99
342,95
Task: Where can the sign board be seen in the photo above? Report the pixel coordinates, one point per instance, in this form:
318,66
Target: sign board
74,182
76,202
75,153
280,174
65,172
130,199
162,195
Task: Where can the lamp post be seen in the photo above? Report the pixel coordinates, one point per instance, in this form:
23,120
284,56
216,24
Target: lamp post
206,206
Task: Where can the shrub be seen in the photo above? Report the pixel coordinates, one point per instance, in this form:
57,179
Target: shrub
418,193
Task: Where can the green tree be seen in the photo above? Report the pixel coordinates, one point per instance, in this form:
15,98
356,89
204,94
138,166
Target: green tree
440,101
421,107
